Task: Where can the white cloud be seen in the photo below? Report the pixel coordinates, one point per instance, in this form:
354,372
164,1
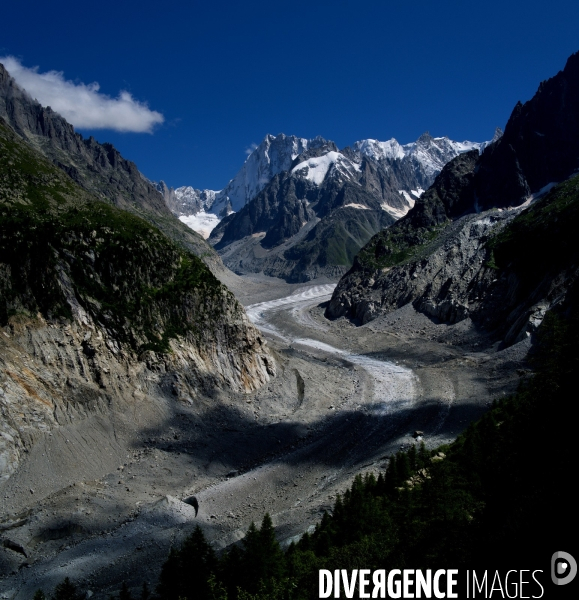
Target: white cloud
82,104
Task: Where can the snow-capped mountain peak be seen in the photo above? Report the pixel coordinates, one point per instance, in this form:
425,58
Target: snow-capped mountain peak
380,150
316,169
426,156
380,168
272,156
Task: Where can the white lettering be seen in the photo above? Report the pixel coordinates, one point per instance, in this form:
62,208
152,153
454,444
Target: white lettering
424,584
515,583
337,583
497,579
542,588
394,585
349,586
379,580
407,582
325,580
475,584
364,581
451,582
437,576
521,582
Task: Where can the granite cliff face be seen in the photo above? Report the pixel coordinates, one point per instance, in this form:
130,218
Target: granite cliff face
97,168
540,144
312,219
100,311
442,256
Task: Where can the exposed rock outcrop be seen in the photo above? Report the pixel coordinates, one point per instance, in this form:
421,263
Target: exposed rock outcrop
99,310
443,256
502,269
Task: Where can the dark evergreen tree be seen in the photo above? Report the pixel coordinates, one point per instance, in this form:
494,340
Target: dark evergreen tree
187,570
262,560
125,594
231,570
67,591
145,592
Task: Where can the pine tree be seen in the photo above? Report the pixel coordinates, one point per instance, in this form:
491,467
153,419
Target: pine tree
231,570
186,572
412,458
423,456
145,592
262,559
67,591
169,585
125,594
403,467
391,479
272,557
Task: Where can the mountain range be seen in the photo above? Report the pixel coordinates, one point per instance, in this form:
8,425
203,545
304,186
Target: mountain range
301,209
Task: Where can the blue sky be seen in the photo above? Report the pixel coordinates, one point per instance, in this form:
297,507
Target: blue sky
222,75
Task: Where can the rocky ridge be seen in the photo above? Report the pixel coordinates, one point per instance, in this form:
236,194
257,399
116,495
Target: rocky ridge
185,200
442,256
98,168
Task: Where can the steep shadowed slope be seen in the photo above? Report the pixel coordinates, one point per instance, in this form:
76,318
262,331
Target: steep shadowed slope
452,261
96,303
98,168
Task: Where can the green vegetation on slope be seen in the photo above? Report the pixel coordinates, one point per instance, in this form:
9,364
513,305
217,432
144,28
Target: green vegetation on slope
337,239
396,246
540,242
61,247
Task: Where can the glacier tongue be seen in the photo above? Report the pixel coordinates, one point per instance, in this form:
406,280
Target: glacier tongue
202,222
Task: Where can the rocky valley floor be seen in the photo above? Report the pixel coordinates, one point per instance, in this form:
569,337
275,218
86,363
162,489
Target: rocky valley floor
102,499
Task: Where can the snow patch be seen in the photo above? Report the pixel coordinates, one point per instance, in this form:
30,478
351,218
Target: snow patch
542,192
203,223
316,169
397,213
354,205
381,150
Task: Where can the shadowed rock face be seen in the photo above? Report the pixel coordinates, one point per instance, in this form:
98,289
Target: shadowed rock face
540,144
98,168
440,256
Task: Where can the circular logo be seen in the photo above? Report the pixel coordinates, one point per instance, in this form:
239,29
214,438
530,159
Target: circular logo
563,568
